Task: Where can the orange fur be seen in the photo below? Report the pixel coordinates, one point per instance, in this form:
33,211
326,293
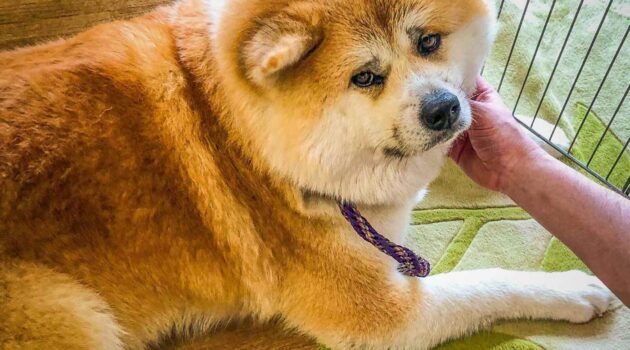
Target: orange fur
132,199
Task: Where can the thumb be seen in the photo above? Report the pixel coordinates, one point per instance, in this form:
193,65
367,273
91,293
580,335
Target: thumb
458,147
483,85
481,113
468,159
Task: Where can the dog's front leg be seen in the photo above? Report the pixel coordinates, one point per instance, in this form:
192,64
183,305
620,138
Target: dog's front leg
462,302
367,311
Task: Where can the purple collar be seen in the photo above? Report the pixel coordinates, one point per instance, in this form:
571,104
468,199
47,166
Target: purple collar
409,263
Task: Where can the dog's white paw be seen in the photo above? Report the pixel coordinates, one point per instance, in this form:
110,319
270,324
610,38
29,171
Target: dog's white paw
578,297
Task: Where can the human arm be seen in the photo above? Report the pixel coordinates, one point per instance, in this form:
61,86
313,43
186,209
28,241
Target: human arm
591,220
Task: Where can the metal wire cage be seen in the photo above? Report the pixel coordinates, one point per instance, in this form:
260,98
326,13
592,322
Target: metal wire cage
566,62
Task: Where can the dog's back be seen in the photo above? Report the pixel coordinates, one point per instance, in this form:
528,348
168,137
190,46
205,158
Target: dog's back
62,104
76,128
89,186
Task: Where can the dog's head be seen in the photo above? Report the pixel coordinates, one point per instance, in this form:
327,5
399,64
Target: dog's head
353,99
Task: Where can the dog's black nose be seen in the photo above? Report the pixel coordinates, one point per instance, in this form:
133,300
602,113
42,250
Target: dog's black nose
440,110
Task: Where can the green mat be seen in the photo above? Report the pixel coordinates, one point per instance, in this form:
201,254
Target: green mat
461,226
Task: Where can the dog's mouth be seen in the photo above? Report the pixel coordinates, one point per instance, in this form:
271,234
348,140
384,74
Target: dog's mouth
440,139
400,151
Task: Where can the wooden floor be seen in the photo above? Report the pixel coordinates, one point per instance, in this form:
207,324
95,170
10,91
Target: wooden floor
27,22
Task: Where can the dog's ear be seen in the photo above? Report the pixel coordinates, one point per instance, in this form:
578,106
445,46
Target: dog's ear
279,43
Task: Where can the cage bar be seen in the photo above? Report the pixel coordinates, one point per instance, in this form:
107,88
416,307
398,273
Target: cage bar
531,64
612,119
599,89
483,68
555,66
576,161
604,176
579,74
518,31
500,9
621,154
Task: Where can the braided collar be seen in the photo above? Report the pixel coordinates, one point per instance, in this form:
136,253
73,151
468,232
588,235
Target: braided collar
409,263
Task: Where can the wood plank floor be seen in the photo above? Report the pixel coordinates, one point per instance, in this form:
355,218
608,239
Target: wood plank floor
27,22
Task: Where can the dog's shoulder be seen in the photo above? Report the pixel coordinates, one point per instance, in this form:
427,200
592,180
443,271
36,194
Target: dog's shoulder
124,52
55,94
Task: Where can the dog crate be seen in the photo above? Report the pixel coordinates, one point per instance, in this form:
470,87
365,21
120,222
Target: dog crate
565,61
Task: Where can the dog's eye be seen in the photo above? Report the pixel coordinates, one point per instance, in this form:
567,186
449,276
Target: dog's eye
367,79
428,43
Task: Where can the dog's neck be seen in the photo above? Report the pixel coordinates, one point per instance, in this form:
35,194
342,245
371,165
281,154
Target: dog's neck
193,32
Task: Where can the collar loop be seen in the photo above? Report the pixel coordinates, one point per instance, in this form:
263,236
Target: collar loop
409,263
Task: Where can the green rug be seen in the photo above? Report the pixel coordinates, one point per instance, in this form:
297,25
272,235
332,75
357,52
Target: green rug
461,226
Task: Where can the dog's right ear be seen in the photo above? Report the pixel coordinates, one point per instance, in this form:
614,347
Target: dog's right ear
278,43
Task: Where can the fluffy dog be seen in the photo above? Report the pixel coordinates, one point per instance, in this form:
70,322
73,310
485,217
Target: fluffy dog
184,168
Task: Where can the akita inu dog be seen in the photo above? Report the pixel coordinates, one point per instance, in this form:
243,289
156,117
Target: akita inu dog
185,168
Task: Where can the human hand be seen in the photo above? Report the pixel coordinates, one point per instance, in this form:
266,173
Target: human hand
495,145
